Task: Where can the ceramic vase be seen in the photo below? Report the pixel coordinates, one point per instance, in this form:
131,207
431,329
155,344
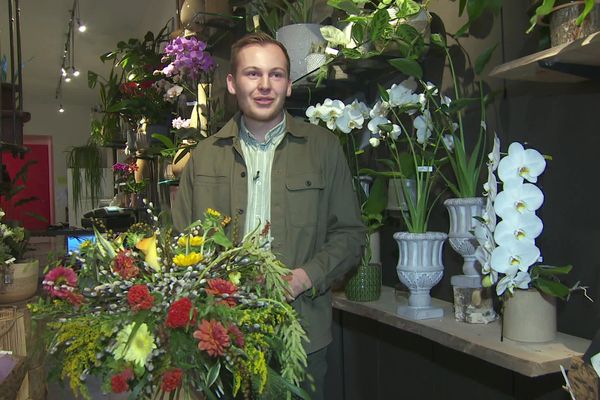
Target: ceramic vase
19,281
420,268
529,316
297,39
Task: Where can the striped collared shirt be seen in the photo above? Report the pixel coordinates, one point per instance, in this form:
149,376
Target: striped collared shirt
259,159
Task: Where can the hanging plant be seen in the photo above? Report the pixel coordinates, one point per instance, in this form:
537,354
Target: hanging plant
86,164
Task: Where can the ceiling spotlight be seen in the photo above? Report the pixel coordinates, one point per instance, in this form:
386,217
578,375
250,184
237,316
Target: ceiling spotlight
61,109
67,78
82,28
63,71
75,72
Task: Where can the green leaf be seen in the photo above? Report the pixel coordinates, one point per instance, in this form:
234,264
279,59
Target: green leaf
438,40
377,200
544,9
334,36
345,5
483,59
383,93
92,79
164,140
105,247
213,374
408,67
551,270
552,288
589,5
221,239
379,24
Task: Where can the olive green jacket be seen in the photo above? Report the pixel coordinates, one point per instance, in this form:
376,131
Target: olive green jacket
315,219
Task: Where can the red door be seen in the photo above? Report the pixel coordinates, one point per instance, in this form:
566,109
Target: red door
38,184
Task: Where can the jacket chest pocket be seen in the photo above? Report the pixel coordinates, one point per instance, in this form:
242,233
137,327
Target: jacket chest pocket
211,192
303,196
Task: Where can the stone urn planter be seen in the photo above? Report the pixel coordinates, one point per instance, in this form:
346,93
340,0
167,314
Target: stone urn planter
420,268
298,39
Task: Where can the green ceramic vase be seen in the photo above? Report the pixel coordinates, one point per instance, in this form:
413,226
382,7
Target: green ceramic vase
365,284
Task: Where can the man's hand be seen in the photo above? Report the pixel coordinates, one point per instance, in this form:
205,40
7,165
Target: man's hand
299,282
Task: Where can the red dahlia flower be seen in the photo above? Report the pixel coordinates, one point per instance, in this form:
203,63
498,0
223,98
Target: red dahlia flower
139,298
124,265
120,382
213,337
171,380
178,315
219,287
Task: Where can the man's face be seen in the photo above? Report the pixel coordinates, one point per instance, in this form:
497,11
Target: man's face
260,83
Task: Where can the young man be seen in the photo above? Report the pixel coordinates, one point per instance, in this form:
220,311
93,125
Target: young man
265,166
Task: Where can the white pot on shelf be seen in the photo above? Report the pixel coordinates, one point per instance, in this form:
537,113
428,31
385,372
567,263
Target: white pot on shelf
420,268
298,39
529,316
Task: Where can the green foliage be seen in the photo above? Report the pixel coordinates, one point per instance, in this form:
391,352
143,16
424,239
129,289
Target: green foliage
86,164
548,6
276,13
546,279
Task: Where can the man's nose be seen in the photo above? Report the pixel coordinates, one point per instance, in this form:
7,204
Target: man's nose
264,83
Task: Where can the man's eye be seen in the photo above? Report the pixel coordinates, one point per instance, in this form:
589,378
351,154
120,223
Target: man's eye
253,74
277,75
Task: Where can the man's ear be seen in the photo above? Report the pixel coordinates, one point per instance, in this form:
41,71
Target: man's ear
231,84
289,88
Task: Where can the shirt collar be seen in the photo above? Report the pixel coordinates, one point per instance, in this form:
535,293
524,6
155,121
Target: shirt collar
232,128
270,137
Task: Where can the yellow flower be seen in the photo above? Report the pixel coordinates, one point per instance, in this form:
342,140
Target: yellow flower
86,243
140,345
193,240
234,277
148,247
185,260
213,213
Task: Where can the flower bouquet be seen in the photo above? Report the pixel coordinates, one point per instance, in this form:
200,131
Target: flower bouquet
159,315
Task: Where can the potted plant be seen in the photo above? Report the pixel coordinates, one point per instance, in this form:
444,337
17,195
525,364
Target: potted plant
508,252
569,20
347,123
18,276
390,27
86,163
294,24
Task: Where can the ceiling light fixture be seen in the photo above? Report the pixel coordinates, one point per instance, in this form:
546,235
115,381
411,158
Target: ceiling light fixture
61,109
67,69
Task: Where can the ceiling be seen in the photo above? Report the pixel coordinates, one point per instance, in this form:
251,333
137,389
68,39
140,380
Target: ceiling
44,26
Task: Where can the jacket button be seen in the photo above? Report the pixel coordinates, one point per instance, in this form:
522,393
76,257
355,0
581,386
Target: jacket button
240,211
243,174
308,183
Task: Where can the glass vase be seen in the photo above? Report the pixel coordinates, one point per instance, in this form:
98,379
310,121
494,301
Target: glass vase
365,284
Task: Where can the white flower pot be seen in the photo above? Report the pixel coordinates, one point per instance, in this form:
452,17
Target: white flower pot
461,239
420,268
20,282
297,39
397,191
529,316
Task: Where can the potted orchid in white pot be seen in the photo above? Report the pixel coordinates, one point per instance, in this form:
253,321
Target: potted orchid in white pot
406,120
510,259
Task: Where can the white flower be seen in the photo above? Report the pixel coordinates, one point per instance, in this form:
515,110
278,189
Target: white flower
494,155
380,109
445,100
513,257
179,123
396,131
360,107
483,125
172,93
490,188
424,126
403,94
314,114
373,125
374,142
448,142
518,199
520,280
431,87
330,111
521,164
524,228
350,119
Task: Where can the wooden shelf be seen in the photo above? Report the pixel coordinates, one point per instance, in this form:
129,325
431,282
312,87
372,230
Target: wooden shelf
477,340
584,51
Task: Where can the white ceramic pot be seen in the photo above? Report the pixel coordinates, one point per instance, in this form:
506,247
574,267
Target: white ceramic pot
420,268
20,282
397,191
529,316
297,39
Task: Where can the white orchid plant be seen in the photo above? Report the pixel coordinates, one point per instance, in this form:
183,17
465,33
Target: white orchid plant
348,123
508,253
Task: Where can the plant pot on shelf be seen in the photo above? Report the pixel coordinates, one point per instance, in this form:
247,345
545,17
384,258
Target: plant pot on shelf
472,302
195,14
563,28
397,192
529,316
313,62
298,39
420,268
19,281
365,283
